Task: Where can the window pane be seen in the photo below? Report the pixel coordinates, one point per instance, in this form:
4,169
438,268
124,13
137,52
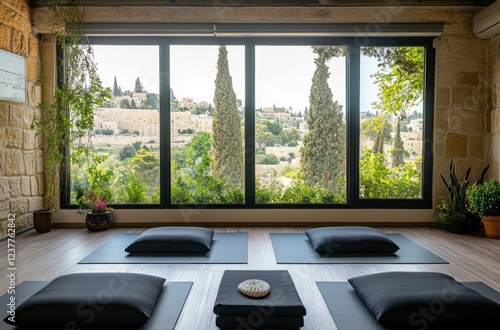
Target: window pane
391,122
207,124
126,128
300,133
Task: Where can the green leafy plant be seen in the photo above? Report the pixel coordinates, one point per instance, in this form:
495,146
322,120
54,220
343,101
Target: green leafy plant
453,212
484,199
67,121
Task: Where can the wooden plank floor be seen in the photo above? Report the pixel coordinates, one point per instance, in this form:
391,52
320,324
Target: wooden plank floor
42,257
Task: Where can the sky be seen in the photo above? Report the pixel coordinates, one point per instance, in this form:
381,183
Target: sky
283,73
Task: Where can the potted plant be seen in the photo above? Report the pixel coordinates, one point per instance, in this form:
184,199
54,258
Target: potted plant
67,120
484,200
453,214
98,217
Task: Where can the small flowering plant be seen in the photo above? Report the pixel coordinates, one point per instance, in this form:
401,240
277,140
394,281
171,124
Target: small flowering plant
92,201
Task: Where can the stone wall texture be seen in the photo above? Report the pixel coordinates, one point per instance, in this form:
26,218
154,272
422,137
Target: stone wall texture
21,168
467,89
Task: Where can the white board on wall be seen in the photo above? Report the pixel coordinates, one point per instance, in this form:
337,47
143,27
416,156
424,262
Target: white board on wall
12,77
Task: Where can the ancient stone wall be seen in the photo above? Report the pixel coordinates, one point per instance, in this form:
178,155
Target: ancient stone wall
21,165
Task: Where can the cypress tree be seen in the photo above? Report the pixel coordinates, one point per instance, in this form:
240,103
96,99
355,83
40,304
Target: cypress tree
116,90
323,153
227,144
398,154
138,86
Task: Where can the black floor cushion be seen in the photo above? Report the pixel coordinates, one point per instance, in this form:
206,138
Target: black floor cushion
350,240
173,240
411,300
259,321
91,300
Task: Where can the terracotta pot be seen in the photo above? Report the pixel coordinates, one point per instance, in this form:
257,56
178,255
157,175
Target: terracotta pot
42,220
492,226
98,221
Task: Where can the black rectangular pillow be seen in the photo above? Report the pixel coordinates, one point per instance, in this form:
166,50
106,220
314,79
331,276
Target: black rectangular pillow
333,241
173,240
424,300
86,300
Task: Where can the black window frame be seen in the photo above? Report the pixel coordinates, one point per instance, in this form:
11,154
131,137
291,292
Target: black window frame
353,45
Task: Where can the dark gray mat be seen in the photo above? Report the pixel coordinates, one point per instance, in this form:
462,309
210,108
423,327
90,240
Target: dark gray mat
296,249
349,312
227,248
164,316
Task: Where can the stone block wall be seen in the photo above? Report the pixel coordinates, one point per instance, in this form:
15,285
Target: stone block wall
21,158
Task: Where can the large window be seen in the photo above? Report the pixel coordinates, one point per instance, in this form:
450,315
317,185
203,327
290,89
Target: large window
264,122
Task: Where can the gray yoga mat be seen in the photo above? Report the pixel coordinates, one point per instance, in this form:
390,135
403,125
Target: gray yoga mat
349,312
164,316
296,249
227,248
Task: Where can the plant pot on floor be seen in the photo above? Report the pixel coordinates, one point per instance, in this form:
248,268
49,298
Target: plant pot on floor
42,220
98,221
492,226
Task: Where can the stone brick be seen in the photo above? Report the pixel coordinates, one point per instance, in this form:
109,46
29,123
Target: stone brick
443,97
29,162
40,179
462,97
4,114
19,43
439,143
5,33
33,186
448,63
472,122
3,161
26,186
467,78
28,139
4,209
463,45
14,163
456,145
16,116
495,142
32,68
35,203
476,147
446,79
441,118
34,46
39,161
494,121
4,189
14,137
15,186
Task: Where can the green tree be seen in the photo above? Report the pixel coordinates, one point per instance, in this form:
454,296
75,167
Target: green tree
133,105
138,86
400,78
117,91
323,153
127,151
152,101
198,147
226,145
132,189
273,126
125,104
398,148
377,129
